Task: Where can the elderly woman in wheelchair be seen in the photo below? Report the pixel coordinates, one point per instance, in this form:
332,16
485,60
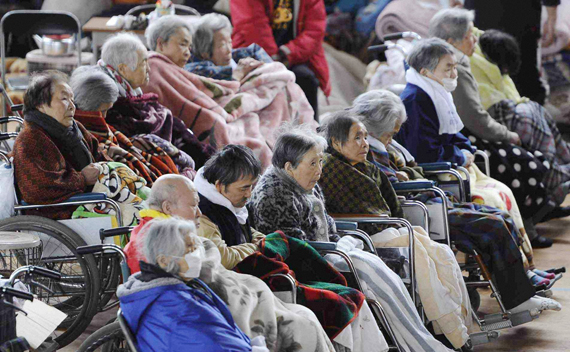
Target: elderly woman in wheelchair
288,198
53,155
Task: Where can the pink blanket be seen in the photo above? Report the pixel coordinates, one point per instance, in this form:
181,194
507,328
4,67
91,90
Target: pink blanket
222,112
406,15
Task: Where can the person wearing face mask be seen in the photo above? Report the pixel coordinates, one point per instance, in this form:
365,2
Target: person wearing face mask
224,185
432,131
166,306
489,130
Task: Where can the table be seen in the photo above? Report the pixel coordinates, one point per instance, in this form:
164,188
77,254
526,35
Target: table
100,32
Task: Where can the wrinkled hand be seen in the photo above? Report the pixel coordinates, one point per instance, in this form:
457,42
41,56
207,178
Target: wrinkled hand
91,174
402,176
244,67
514,138
469,158
549,30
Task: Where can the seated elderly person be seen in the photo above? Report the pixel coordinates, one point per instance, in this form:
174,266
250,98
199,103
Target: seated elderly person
212,54
489,127
432,131
53,155
95,93
288,198
167,307
124,59
171,196
362,193
224,185
222,112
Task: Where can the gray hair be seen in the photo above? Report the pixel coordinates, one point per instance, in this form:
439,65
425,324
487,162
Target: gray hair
166,189
427,53
122,48
42,88
203,41
451,24
292,145
167,238
379,111
337,126
92,87
164,27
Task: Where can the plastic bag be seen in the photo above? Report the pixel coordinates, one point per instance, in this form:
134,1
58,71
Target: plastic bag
7,191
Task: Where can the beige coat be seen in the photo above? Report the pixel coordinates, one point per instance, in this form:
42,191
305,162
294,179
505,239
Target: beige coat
231,256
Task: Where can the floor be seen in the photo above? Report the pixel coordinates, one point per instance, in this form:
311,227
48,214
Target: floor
549,333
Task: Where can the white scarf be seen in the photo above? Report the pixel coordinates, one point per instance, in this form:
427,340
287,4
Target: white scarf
209,191
449,120
376,144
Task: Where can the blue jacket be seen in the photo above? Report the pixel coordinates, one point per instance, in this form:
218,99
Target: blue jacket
166,315
420,133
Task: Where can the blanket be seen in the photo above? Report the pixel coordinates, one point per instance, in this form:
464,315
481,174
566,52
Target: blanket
123,186
440,283
224,112
406,15
320,287
257,312
143,114
382,284
148,163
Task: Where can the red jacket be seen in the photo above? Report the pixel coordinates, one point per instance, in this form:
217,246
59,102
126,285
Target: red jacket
251,21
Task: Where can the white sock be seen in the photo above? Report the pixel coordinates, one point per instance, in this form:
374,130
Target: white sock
537,304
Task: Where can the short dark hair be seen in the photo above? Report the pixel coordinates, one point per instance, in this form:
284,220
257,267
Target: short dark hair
231,164
501,49
42,87
337,127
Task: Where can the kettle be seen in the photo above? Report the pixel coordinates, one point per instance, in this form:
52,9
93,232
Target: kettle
56,45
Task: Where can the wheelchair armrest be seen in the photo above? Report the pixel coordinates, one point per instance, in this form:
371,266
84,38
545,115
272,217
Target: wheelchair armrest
347,217
346,225
322,246
84,197
412,185
435,166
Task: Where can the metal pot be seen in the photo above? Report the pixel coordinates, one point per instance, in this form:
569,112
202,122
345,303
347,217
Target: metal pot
55,47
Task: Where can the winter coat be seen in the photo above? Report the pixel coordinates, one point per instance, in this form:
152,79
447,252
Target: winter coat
251,20
166,314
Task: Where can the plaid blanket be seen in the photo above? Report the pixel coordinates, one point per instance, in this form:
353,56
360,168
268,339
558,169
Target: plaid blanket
358,189
319,286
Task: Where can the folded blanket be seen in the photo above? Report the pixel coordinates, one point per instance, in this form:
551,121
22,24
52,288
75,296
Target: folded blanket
257,312
406,15
319,286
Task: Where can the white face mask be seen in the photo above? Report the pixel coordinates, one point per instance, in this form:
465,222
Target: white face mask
194,261
449,84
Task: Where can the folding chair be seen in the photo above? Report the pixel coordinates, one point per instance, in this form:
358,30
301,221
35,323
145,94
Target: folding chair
179,10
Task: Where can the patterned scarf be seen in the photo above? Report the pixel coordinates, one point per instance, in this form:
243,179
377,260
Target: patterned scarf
125,89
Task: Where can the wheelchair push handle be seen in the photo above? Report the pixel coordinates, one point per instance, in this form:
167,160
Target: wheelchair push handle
8,291
124,230
17,107
45,272
401,35
378,48
95,248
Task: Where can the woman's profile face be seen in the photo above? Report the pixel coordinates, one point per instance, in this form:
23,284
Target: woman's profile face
467,44
191,246
222,48
140,75
309,170
356,147
177,48
61,107
446,68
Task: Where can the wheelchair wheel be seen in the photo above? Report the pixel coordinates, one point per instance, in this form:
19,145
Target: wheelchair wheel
109,338
475,298
76,294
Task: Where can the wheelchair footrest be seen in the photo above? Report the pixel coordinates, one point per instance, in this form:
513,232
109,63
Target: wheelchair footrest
544,293
480,338
500,321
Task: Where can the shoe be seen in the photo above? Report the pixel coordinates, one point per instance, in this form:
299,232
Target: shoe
541,242
556,213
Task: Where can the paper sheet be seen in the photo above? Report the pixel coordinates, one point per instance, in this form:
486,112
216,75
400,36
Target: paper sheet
40,322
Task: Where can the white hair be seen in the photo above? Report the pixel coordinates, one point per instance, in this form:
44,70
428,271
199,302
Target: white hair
164,189
379,111
164,28
92,88
451,24
167,238
122,48
203,40
293,142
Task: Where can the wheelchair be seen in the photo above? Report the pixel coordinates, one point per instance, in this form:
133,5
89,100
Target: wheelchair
88,282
